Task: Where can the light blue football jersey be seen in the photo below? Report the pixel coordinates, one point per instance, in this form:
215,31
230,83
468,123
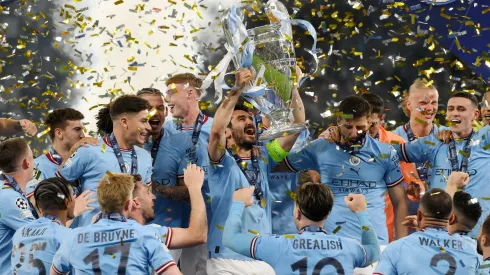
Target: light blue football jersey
90,164
162,232
201,159
165,172
15,212
45,166
282,185
35,244
224,178
432,251
112,247
484,267
370,172
171,127
437,153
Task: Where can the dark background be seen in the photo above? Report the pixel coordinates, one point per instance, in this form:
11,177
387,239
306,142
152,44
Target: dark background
393,49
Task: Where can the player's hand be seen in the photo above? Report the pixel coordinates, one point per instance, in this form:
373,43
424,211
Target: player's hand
243,77
245,195
193,176
458,179
83,201
28,127
356,202
411,222
299,75
331,134
445,136
94,218
85,142
415,191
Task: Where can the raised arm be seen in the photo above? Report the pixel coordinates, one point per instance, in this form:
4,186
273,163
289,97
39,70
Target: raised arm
217,139
457,180
179,192
10,127
287,142
369,240
197,232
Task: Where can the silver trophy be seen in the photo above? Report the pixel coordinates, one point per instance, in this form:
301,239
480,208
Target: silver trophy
270,50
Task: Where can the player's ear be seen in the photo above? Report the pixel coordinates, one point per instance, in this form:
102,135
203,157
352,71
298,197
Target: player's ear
453,219
136,203
297,213
477,114
124,122
128,205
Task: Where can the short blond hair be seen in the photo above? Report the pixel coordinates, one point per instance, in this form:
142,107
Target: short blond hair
186,78
113,191
420,84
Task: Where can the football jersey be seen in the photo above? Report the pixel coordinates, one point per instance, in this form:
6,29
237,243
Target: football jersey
35,244
112,246
437,154
161,232
282,186
225,176
207,124
165,172
46,166
201,159
370,172
90,164
432,251
15,212
484,267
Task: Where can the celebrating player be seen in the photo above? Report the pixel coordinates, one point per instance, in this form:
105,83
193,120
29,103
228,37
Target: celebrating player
377,131
66,129
143,212
431,250
357,163
234,165
483,246
466,152
117,153
112,243
17,166
312,250
183,96
42,238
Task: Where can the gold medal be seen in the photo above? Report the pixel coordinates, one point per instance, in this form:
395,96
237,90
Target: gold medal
263,202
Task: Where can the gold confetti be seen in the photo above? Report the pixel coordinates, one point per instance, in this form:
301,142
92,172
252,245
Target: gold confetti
253,232
118,2
220,227
442,249
103,147
337,229
289,236
365,228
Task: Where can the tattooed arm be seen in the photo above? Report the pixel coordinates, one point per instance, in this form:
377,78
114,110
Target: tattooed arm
176,193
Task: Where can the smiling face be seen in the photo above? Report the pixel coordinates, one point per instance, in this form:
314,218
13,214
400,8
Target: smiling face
460,113
423,103
137,127
179,98
158,112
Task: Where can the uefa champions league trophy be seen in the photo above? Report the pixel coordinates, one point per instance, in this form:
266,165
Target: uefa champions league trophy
270,50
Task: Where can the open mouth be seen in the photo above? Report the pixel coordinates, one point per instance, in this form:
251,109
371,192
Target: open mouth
250,131
154,122
487,116
455,121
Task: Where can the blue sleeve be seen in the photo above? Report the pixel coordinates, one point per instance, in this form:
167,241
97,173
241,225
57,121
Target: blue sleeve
369,240
15,211
61,260
306,159
393,175
268,248
159,256
388,259
77,164
171,162
163,233
148,168
233,237
419,151
485,136
182,166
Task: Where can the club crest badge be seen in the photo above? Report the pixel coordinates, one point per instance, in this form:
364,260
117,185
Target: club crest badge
353,160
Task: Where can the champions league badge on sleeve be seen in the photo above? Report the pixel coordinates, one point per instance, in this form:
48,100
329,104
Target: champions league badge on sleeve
438,2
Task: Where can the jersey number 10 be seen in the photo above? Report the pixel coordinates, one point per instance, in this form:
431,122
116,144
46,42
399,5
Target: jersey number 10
302,265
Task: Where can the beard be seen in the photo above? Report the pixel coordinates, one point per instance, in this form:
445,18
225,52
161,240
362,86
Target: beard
241,141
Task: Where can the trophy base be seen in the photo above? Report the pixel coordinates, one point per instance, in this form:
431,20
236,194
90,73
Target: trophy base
281,130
